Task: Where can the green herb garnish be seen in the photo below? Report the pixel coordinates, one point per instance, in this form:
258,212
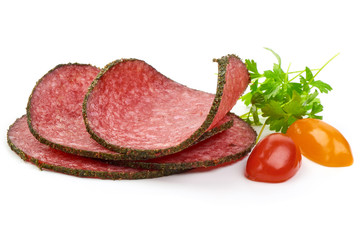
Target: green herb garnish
282,97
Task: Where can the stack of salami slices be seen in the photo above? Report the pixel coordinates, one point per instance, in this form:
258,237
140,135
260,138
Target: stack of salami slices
128,121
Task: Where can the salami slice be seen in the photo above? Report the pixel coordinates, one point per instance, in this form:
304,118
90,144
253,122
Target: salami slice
133,109
22,142
228,146
55,112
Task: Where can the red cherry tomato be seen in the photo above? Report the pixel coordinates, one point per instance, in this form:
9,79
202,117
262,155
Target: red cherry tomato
321,143
274,159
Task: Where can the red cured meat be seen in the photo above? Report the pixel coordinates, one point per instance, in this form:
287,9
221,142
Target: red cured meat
24,144
237,79
227,146
55,112
54,107
133,109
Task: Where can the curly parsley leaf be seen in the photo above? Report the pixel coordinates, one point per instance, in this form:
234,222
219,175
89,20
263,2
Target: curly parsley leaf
282,100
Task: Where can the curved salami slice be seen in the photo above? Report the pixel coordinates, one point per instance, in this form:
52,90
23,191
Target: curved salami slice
228,146
22,142
133,109
55,112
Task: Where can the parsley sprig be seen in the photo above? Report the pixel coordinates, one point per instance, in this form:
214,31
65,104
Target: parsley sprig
282,97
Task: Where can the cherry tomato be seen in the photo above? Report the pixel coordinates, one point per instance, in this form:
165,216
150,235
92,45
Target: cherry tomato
321,143
274,159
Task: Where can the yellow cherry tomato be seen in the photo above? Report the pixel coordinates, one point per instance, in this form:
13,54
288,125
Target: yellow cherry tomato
321,143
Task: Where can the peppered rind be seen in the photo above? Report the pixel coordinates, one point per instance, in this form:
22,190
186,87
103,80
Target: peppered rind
24,144
233,79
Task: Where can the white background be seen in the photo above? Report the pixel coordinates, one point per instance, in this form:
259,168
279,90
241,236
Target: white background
180,39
